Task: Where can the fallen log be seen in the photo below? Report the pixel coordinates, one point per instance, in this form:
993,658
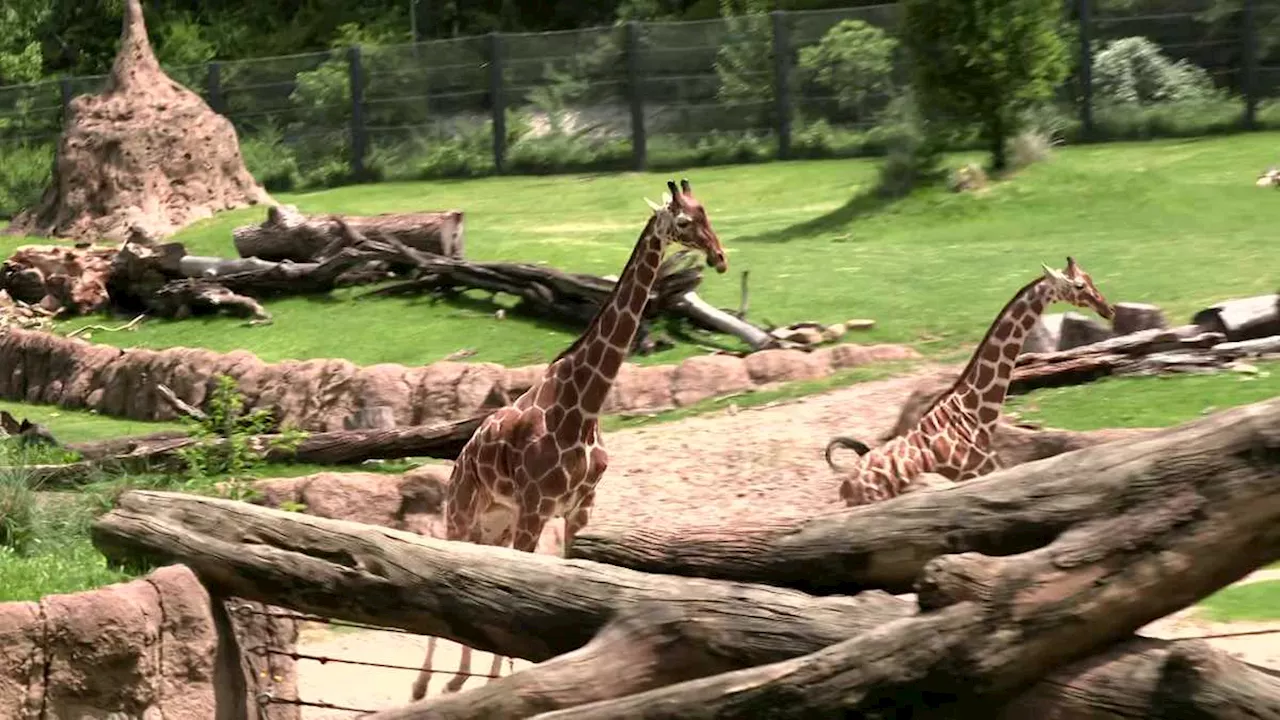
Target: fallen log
287,234
990,627
162,452
886,545
1243,318
1156,518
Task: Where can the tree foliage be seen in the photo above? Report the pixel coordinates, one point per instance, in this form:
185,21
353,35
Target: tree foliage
984,61
1135,71
852,61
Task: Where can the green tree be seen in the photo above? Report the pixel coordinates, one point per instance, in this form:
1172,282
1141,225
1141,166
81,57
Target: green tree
984,61
21,59
744,62
852,61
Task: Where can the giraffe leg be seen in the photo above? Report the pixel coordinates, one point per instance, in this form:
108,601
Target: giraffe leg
464,671
424,675
577,519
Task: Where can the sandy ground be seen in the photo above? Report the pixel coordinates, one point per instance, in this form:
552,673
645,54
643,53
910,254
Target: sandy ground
728,467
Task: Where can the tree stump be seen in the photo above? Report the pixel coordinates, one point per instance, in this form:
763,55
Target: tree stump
147,156
1078,330
287,234
1135,317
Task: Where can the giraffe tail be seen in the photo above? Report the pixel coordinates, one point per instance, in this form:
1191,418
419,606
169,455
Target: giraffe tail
846,442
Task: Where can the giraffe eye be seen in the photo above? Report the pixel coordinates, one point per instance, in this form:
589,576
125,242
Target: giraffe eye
1079,284
683,220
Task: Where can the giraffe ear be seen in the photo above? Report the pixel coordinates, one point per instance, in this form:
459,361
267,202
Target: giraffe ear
653,205
1051,273
666,199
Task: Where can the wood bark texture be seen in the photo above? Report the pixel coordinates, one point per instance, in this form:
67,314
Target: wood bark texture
990,627
1160,523
287,234
1242,318
886,545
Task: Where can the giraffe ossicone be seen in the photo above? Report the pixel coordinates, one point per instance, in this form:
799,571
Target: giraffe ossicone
542,456
953,436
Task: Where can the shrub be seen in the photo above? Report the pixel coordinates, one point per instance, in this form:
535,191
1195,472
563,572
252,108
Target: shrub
24,174
18,510
270,160
983,62
852,61
1134,70
913,156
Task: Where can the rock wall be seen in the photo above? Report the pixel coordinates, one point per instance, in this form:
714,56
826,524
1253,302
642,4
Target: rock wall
320,395
142,649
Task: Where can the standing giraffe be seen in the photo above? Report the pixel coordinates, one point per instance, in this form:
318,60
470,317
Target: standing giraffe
953,436
541,456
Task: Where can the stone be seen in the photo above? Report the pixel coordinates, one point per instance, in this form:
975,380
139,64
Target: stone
705,376
774,366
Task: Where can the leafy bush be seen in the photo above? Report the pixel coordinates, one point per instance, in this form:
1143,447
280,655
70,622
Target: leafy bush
852,61
18,510
714,148
1135,71
914,149
744,61
984,62
270,160
24,174
226,446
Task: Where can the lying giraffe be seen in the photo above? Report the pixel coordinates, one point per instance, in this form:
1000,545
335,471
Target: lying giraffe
541,456
953,436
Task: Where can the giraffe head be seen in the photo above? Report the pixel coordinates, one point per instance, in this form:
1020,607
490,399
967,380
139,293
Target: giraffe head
1074,285
685,221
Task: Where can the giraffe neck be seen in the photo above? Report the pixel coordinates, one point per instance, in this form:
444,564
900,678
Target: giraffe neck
604,345
978,394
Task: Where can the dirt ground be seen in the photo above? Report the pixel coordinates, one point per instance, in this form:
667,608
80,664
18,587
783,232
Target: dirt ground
732,466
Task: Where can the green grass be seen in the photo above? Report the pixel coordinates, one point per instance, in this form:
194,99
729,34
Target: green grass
1159,401
932,269
74,426
1254,601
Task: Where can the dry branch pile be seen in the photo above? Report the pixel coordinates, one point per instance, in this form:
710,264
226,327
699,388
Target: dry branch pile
1030,585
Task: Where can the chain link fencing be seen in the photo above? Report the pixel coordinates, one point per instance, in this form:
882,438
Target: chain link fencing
659,95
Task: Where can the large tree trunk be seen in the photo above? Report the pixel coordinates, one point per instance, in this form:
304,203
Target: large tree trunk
990,627
1149,530
287,234
886,544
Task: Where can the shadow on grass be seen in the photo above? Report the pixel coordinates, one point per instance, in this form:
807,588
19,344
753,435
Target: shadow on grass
868,201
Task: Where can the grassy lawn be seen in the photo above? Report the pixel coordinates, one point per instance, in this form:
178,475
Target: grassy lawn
1146,401
932,270
1255,601
75,426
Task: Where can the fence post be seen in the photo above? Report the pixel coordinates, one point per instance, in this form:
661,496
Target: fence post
639,140
1083,15
1249,48
497,102
215,86
358,137
782,81
64,87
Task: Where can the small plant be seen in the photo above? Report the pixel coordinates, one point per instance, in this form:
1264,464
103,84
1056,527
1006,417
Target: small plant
293,506
18,510
226,445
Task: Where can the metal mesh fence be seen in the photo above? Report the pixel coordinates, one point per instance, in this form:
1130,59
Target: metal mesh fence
804,84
